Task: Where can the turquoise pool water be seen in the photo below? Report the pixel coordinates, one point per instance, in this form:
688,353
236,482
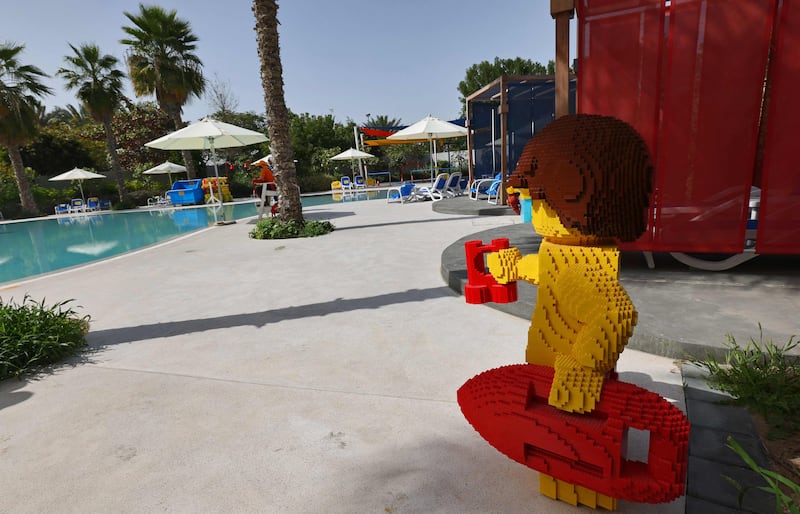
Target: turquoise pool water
30,248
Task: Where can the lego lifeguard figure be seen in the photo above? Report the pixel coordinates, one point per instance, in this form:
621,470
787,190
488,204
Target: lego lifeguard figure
589,179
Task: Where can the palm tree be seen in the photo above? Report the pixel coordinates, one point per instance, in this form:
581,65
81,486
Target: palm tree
20,91
161,61
383,121
266,13
99,85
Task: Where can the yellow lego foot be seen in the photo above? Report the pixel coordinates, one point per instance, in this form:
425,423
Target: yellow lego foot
574,494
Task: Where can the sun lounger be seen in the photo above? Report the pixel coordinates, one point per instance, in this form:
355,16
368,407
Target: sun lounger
479,187
453,186
403,193
77,205
158,201
436,191
493,193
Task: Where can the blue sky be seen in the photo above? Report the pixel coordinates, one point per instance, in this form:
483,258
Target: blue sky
403,59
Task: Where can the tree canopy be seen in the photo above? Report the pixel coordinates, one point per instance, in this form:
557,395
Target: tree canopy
98,85
483,73
313,134
136,124
162,62
60,146
21,88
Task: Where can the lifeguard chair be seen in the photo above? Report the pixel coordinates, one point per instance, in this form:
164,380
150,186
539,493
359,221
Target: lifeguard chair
268,199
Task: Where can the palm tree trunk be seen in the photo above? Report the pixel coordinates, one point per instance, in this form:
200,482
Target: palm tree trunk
266,13
191,170
23,185
111,144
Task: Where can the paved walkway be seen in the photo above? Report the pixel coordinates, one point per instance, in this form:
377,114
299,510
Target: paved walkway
312,375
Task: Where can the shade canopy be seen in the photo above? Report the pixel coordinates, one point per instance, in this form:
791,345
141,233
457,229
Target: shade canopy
351,154
387,142
207,134
429,127
77,174
165,167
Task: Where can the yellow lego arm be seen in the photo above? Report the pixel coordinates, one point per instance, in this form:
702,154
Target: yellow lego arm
575,388
509,265
528,268
606,317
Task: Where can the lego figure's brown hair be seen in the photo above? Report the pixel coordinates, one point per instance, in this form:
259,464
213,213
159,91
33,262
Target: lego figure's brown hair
594,171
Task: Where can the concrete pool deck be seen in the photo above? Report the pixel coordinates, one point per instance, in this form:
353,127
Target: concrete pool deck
313,375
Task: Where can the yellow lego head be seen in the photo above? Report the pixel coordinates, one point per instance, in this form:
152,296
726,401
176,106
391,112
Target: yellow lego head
547,223
595,173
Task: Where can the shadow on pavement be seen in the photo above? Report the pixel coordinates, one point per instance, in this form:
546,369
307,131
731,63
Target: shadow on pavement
9,394
112,336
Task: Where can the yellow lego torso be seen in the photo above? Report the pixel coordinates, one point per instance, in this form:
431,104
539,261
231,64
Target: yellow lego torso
583,316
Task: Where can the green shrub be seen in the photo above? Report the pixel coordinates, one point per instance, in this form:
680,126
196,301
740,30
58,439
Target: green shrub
314,183
763,378
777,483
274,228
125,204
46,198
135,198
15,211
241,185
33,334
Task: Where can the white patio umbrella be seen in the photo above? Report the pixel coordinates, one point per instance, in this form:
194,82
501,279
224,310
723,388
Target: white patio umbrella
208,134
432,129
352,155
80,175
165,167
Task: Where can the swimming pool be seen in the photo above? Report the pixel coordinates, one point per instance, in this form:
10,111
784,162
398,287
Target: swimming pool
29,248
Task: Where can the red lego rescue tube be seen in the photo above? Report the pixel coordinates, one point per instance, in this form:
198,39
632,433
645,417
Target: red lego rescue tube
508,407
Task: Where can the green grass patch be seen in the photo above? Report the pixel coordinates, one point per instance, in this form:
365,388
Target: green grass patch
274,228
762,377
783,488
33,334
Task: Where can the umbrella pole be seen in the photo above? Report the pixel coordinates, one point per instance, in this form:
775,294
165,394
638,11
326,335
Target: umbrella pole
219,186
83,197
433,158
